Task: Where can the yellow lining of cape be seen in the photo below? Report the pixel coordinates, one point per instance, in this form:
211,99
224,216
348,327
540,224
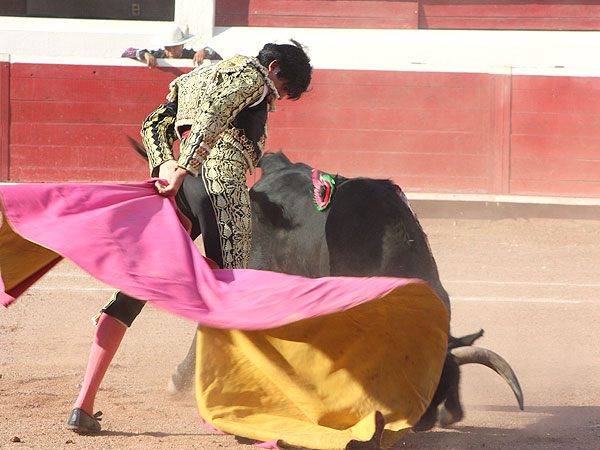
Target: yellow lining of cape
317,383
20,258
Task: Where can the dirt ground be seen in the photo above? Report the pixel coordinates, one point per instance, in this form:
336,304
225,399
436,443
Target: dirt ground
531,283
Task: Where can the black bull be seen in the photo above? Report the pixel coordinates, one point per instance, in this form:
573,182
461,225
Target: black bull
369,229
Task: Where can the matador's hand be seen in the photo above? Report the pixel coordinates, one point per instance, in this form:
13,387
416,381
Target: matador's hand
173,174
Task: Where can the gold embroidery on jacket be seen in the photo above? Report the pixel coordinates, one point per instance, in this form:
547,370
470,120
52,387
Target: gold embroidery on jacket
158,135
224,177
209,99
235,137
214,95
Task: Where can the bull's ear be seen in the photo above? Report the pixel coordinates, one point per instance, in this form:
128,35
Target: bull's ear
271,162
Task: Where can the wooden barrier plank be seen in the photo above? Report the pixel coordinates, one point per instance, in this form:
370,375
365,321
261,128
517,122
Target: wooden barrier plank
509,15
409,181
552,170
310,8
511,8
535,146
564,124
383,119
318,13
89,135
114,91
74,113
4,119
555,83
448,185
458,166
388,22
399,77
379,164
75,175
393,96
458,23
77,157
581,100
96,72
555,167
366,141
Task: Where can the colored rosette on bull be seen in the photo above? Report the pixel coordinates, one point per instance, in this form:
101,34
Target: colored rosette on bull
323,189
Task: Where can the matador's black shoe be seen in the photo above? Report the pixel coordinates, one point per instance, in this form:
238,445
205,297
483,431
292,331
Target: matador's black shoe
82,423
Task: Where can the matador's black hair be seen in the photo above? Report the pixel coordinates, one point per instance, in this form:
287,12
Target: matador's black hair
294,64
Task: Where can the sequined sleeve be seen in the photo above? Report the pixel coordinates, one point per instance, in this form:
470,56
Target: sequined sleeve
158,135
232,92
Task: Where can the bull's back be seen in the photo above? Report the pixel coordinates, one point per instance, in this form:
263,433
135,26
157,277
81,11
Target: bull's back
372,231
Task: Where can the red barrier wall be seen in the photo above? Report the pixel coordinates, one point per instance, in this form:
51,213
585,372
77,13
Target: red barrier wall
428,131
412,14
70,122
555,137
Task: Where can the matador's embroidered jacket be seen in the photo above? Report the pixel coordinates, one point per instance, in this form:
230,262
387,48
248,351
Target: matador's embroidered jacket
226,101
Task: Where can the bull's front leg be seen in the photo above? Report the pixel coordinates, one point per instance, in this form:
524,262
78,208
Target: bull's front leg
183,377
448,384
452,411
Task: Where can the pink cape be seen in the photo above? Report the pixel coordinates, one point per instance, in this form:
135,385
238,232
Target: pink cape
129,237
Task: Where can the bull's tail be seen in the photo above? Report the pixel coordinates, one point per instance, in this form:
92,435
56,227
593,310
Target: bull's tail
139,148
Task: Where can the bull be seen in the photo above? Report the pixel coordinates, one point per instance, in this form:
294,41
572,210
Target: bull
368,230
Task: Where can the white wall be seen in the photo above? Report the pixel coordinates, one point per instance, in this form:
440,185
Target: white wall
425,50
556,52
199,15
32,36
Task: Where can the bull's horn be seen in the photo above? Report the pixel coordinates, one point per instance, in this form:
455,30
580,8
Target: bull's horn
479,355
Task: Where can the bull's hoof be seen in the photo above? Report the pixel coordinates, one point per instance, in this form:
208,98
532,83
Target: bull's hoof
375,442
447,417
178,385
427,421
172,388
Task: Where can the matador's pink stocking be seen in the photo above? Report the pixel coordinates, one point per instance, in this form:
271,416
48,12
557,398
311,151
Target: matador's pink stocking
109,333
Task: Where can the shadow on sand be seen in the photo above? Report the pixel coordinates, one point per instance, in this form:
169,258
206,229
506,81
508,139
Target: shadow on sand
559,427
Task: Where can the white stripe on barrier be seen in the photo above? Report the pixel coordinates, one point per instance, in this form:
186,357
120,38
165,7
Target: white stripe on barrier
521,283
551,53
522,300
